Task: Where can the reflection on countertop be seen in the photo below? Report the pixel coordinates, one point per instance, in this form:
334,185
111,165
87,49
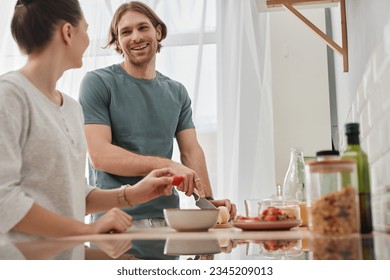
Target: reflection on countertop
217,244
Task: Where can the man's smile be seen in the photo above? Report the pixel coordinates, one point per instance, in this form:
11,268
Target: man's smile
140,47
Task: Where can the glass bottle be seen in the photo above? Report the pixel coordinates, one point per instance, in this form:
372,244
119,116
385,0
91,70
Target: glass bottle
354,151
294,182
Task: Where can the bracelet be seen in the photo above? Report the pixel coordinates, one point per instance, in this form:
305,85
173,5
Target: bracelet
123,201
209,198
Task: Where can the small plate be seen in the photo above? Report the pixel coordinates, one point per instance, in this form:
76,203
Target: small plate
266,225
226,225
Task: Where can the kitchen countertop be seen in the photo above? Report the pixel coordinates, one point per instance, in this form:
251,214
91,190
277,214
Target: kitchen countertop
217,244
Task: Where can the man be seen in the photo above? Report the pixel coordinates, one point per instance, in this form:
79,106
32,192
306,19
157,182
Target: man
133,112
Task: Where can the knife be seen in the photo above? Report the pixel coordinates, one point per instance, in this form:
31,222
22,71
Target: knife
202,203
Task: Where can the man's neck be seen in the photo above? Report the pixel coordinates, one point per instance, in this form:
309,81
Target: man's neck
144,72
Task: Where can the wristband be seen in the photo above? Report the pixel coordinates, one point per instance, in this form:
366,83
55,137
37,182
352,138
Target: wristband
123,201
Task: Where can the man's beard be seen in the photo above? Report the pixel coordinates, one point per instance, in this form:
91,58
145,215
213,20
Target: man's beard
139,61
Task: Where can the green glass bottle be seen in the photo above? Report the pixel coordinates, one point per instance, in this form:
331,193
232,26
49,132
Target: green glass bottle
354,151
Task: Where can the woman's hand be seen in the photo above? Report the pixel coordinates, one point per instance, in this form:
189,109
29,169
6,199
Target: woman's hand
156,183
114,248
191,179
115,220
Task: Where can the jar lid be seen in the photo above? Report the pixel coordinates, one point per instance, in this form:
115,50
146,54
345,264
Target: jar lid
331,166
278,202
327,153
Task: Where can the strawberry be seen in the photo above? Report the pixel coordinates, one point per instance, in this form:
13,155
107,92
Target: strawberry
177,180
272,210
270,218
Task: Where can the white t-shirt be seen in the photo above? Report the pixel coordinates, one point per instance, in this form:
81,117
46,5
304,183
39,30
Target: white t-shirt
42,153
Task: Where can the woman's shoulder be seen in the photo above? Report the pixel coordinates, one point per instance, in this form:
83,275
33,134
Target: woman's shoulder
12,78
12,86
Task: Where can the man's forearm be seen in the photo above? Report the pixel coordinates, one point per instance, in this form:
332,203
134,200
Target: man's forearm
118,161
195,160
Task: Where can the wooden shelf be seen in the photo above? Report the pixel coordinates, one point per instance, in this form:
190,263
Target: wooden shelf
275,5
278,3
291,5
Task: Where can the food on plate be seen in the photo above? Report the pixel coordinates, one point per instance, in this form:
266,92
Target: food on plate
246,218
272,214
177,180
224,215
283,245
278,214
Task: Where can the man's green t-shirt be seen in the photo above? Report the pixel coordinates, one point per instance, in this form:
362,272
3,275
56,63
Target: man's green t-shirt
144,116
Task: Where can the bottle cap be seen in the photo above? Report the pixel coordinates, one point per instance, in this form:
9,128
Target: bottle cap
352,128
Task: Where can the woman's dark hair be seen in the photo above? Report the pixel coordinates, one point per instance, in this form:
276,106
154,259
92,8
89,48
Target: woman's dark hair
34,21
141,8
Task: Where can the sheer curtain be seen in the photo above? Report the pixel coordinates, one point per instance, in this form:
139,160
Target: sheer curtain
245,118
219,50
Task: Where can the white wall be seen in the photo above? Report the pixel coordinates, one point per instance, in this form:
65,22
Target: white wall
300,87
363,94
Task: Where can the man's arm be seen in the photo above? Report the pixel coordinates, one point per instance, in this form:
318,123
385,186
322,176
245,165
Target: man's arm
192,156
115,160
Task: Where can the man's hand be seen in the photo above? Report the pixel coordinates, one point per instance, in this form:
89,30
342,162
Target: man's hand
229,205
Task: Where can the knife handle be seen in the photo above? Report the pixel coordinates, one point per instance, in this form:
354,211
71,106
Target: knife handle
196,195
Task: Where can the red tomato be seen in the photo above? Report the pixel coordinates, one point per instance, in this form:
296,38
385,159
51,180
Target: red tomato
177,180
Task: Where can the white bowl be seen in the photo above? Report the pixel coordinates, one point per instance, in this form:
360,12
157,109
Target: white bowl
177,247
191,219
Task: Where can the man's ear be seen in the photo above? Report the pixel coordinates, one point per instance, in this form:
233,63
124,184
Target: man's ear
159,32
66,33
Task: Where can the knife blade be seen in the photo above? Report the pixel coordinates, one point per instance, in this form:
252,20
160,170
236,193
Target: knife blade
202,203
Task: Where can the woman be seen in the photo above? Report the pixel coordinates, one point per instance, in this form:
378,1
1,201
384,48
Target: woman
43,191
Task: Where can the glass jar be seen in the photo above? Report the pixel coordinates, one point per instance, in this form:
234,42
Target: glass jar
332,197
289,208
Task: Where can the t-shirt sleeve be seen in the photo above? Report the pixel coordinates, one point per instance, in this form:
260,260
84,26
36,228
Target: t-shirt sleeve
94,98
88,188
14,203
185,117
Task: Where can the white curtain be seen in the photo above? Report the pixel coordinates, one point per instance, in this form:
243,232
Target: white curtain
245,122
231,95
